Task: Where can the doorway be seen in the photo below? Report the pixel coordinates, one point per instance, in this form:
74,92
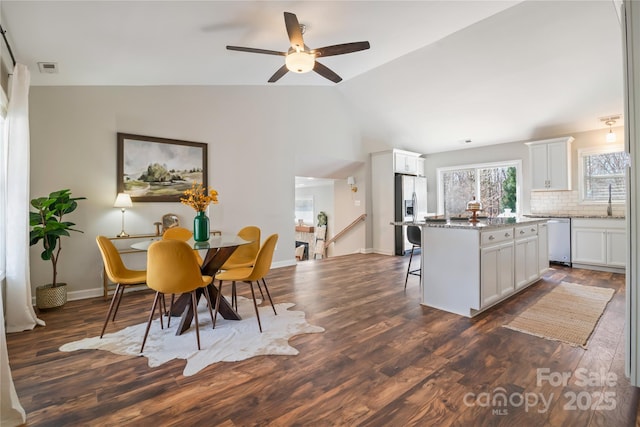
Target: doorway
312,196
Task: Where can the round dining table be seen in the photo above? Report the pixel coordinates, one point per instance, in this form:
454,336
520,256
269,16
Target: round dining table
214,253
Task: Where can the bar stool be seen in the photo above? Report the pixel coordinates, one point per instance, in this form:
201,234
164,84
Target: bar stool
414,235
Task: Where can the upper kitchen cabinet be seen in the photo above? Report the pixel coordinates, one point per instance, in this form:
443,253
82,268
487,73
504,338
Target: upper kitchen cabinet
550,164
408,163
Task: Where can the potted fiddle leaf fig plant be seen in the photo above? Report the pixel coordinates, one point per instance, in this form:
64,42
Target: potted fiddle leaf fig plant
47,225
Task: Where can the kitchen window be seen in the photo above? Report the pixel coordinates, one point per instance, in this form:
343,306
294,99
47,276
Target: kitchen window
602,171
495,185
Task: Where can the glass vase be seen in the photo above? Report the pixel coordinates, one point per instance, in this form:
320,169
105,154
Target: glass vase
201,227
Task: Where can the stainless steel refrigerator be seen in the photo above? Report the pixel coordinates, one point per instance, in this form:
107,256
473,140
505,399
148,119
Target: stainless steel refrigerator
410,205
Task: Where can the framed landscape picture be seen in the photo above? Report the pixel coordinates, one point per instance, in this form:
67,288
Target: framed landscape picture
154,169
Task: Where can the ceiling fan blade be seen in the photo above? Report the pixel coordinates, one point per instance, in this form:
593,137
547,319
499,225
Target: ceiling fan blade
341,49
326,72
253,50
281,72
293,30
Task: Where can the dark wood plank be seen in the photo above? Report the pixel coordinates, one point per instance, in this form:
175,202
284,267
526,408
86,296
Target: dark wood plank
383,360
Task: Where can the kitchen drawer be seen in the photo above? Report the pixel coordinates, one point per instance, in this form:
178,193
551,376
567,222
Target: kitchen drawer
491,237
526,231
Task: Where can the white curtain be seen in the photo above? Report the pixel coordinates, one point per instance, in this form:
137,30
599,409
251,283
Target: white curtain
14,237
19,315
11,412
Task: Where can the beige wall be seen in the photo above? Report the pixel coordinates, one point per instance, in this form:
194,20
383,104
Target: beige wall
254,135
348,206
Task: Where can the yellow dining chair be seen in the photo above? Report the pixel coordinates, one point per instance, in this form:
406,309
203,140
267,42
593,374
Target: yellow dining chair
244,256
118,274
172,269
261,267
177,233
181,233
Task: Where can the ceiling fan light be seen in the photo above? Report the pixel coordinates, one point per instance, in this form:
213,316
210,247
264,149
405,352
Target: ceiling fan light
611,136
300,62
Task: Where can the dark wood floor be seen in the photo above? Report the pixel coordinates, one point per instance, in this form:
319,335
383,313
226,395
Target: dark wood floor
384,360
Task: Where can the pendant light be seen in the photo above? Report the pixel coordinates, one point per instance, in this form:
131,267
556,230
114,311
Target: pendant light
610,121
611,137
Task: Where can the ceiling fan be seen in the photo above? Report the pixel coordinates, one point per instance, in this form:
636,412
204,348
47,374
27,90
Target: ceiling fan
299,58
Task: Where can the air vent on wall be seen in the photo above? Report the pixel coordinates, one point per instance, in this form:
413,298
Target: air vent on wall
48,67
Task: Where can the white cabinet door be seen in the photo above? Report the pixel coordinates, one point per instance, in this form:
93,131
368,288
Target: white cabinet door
411,165
520,263
616,248
505,270
531,259
543,248
538,155
408,164
588,246
496,270
557,166
526,261
420,170
489,291
399,162
550,163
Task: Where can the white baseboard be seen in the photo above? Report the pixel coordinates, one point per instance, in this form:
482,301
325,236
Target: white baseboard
98,292
382,252
285,263
599,268
92,293
84,294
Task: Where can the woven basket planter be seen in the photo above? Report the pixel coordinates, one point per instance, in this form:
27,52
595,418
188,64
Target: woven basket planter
50,297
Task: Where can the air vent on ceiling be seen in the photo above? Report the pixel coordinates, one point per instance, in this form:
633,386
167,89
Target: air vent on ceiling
48,67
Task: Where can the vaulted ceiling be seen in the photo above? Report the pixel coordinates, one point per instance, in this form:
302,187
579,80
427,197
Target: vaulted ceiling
438,72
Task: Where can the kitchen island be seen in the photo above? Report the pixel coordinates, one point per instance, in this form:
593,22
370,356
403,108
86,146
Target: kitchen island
469,267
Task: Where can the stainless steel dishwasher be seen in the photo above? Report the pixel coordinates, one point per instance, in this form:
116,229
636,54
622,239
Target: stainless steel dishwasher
559,240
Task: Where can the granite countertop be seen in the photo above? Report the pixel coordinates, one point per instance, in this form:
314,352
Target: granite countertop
574,216
483,223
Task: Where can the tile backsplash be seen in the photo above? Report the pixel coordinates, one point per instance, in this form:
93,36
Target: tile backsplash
568,203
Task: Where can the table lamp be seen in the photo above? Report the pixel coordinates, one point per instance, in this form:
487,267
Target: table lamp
123,201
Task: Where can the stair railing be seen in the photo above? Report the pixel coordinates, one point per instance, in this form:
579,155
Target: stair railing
342,233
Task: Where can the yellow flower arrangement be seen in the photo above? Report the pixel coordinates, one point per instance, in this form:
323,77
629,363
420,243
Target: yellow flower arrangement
198,197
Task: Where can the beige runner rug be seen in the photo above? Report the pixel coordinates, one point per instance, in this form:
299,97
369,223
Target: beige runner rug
569,313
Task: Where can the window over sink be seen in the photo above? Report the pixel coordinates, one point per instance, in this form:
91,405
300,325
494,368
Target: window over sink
495,185
602,171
